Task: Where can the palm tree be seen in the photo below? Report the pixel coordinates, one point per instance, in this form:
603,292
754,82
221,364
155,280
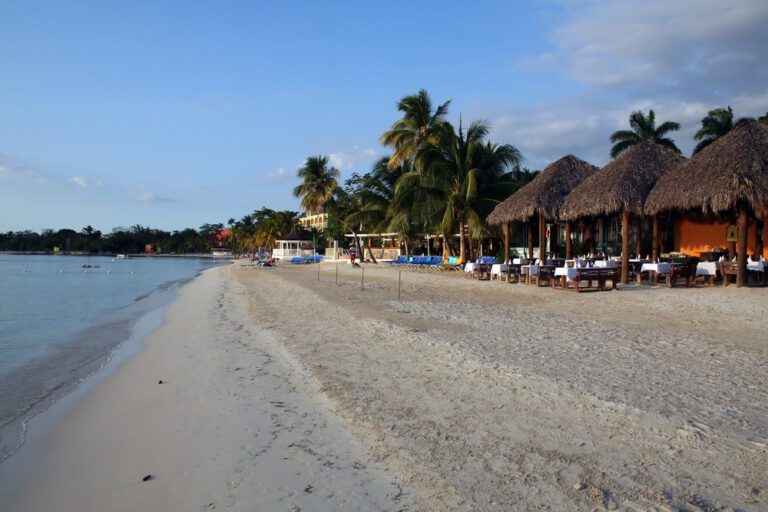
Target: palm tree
643,128
376,208
459,169
319,182
717,123
418,126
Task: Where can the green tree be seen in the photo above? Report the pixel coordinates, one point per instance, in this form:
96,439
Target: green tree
717,123
459,171
419,125
318,183
643,128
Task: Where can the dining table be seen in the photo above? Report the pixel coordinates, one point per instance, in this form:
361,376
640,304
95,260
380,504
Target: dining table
656,269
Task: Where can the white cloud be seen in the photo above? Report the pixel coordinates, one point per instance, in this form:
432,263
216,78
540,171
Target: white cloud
82,181
355,157
142,195
16,173
277,176
680,58
690,43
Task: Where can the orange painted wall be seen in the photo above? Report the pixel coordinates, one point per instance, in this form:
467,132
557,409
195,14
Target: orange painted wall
693,238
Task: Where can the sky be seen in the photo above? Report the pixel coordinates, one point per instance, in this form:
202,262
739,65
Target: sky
175,114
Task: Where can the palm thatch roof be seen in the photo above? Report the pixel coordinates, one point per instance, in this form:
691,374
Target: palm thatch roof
732,169
298,234
623,184
545,193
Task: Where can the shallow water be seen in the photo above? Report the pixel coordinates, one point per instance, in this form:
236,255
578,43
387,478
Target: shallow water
60,321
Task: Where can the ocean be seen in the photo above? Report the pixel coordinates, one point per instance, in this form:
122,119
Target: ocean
61,318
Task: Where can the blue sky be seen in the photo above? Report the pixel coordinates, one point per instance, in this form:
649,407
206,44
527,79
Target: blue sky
173,114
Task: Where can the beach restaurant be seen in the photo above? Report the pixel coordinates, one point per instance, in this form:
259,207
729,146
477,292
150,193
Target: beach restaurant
620,189
540,201
719,198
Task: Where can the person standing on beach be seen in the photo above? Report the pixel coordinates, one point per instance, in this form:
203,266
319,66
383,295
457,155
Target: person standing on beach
352,254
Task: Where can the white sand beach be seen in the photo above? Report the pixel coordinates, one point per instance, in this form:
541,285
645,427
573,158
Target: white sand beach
283,392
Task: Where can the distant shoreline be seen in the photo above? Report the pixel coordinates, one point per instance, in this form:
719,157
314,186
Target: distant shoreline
112,255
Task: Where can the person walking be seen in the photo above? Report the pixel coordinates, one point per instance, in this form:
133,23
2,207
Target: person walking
352,254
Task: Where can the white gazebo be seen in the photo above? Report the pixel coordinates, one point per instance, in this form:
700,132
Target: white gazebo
298,242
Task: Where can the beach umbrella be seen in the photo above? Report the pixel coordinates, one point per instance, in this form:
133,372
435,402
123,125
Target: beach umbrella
542,198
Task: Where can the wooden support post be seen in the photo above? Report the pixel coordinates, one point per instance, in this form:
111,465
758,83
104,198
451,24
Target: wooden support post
655,250
741,276
639,245
568,242
530,238
624,246
542,237
399,281
505,228
337,273
362,278
759,228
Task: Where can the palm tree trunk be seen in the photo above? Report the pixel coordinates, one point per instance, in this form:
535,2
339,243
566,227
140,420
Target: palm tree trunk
370,252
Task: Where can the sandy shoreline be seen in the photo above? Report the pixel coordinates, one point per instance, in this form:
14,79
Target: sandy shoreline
285,393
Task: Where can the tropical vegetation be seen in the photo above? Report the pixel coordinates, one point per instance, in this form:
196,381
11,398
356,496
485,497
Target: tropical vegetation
439,180
717,123
643,127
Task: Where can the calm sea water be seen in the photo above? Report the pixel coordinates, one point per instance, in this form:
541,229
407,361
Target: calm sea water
60,321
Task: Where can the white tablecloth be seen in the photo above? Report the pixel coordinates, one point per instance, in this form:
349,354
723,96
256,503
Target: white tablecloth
659,268
498,268
519,261
706,268
568,272
469,267
532,269
605,264
757,266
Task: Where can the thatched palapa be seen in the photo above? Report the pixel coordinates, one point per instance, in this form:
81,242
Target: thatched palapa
732,169
545,193
730,175
623,184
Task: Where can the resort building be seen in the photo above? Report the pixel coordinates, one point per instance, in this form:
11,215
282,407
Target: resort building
318,221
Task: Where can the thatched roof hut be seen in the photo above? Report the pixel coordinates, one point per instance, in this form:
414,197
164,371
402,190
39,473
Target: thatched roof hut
729,175
623,184
621,187
545,193
731,170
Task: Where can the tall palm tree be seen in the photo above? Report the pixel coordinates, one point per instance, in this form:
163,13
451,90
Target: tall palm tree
318,184
458,168
717,123
418,126
643,128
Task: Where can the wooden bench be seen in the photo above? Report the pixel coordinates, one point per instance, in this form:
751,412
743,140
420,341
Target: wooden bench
685,271
728,269
601,275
